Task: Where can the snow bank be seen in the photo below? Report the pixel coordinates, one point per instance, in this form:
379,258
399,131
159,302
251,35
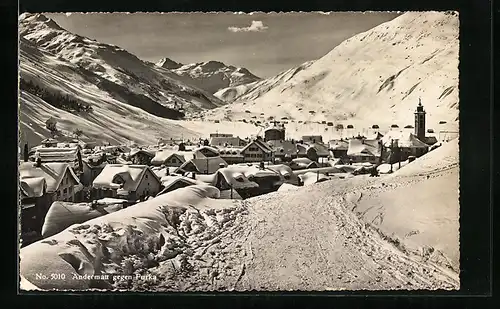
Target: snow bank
149,233
287,187
310,178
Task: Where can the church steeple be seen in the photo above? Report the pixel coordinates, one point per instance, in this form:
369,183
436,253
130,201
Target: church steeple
420,121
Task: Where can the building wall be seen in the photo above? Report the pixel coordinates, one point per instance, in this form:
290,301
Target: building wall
255,154
89,174
233,159
65,192
362,159
149,186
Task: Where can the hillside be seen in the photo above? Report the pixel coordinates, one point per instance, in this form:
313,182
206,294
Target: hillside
254,90
211,75
115,67
375,77
112,117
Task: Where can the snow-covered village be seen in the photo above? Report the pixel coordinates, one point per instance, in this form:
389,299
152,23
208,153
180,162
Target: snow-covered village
337,173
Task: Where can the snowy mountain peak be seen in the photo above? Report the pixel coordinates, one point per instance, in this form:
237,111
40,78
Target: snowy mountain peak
168,63
215,75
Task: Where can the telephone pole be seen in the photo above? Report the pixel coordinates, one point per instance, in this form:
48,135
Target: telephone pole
392,152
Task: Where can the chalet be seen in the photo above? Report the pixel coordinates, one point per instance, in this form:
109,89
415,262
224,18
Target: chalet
257,151
130,181
232,155
226,142
62,182
141,157
34,206
168,158
364,150
311,139
202,166
339,148
70,155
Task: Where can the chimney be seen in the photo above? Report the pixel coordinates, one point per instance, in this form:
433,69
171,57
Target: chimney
193,175
38,162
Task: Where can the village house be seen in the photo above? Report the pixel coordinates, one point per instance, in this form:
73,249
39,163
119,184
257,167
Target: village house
217,134
283,150
232,155
339,148
317,152
140,157
401,145
364,150
132,182
62,182
92,167
257,151
231,141
169,157
35,203
207,165
70,155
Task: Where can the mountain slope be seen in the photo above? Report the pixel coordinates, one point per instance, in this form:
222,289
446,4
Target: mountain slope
375,77
211,75
111,119
115,65
254,90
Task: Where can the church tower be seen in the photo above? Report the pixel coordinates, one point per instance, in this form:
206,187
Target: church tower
420,121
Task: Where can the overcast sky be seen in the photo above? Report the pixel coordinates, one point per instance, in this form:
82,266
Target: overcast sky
266,44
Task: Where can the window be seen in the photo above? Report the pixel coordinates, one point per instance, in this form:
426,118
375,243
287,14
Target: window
58,194
65,191
146,176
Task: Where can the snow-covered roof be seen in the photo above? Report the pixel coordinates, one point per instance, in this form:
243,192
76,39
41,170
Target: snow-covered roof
259,143
338,144
160,172
404,139
364,147
222,141
208,165
302,148
169,181
274,126
230,152
209,148
57,154
302,161
64,214
287,187
53,173
283,147
33,187
136,151
163,155
282,169
130,174
311,178
321,149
